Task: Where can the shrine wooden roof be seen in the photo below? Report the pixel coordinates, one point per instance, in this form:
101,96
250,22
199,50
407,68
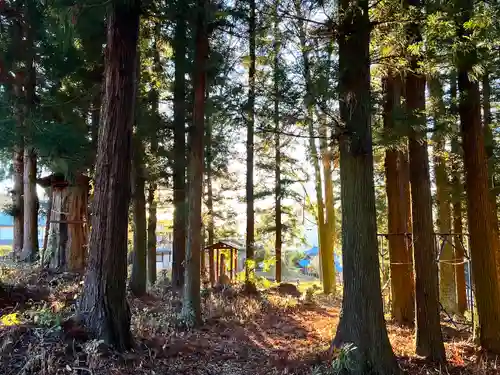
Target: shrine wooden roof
221,246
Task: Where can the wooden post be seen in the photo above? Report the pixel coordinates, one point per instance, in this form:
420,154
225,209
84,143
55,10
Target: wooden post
232,263
211,266
217,264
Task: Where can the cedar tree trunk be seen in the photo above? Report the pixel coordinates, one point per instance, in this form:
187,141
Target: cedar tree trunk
103,306
362,320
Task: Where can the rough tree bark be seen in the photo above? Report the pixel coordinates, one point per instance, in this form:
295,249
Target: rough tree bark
429,341
103,307
362,320
447,284
490,145
397,176
250,227
68,229
483,236
191,307
179,168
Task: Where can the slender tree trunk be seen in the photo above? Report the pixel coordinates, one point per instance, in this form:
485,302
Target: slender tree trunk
49,192
152,232
429,341
104,306
490,145
277,145
180,208
328,240
18,152
456,196
447,285
138,279
30,231
326,271
17,200
210,206
362,321
210,196
191,309
399,212
250,229
483,236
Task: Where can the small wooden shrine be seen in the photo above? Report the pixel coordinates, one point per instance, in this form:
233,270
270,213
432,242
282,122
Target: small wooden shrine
218,254
67,230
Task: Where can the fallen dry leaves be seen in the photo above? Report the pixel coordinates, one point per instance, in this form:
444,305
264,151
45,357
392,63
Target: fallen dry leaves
270,334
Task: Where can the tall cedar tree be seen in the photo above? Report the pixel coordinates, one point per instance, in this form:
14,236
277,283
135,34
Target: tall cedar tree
399,211
250,229
179,169
429,340
138,278
152,183
277,145
210,201
104,307
490,144
326,266
30,199
18,157
18,152
362,321
447,284
483,238
456,198
191,309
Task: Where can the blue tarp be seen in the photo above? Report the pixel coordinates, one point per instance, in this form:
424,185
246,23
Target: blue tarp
304,262
313,251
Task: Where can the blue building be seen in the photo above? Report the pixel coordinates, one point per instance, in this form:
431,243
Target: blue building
7,229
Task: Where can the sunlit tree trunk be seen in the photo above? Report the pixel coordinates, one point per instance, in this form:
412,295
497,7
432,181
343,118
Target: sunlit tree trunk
328,232
429,340
456,197
483,235
447,285
490,145
325,247
399,211
250,227
277,158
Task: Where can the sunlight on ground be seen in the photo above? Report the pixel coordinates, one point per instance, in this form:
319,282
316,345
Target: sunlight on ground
10,320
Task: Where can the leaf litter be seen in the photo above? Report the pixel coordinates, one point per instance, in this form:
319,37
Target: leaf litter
268,334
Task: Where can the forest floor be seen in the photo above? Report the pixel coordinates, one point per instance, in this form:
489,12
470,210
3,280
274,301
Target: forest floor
269,334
